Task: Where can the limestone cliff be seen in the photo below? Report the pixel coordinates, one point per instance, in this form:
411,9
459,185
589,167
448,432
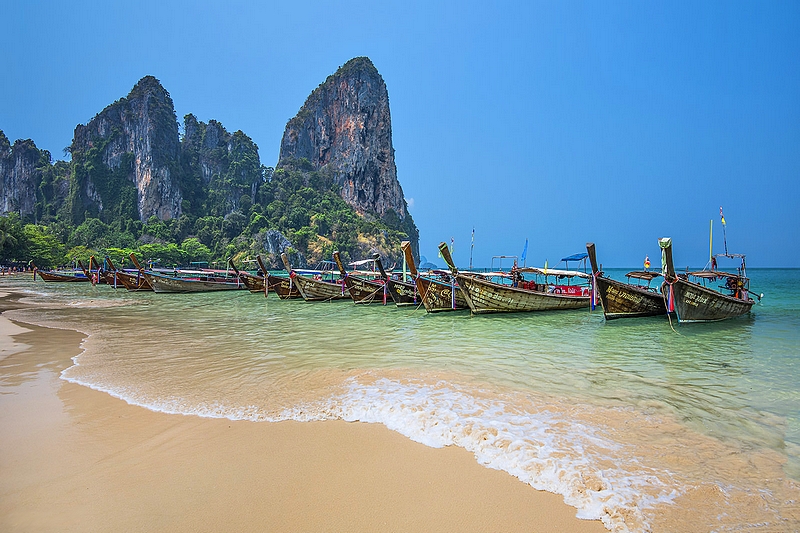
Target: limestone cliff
136,136
335,186
221,170
345,129
20,176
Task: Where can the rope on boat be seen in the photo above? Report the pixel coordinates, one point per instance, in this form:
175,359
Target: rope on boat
371,296
666,305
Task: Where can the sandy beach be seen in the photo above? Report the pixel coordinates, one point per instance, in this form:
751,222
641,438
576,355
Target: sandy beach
75,459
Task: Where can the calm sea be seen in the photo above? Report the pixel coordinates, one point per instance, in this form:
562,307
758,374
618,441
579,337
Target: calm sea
634,423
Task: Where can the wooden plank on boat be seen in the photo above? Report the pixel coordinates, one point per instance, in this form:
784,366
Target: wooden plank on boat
624,300
315,290
403,293
361,290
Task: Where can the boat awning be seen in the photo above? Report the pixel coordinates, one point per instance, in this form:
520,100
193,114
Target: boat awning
556,272
368,273
646,275
498,273
713,274
360,263
576,257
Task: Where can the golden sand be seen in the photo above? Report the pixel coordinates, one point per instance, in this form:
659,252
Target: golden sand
75,459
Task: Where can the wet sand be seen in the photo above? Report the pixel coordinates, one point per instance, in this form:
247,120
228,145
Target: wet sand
75,459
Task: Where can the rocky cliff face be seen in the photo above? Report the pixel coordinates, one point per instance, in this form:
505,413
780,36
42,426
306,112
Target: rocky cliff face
224,166
19,176
345,127
128,163
137,135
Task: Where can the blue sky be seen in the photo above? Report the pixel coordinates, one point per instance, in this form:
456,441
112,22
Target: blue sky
556,122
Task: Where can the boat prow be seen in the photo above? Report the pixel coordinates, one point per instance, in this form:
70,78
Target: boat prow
696,302
625,300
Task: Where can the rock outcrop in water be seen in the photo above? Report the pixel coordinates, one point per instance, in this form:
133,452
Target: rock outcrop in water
345,128
136,137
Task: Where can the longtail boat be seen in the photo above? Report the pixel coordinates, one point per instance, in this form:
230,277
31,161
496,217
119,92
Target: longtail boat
73,276
103,275
625,300
186,281
255,284
403,293
486,296
191,281
283,286
108,274
119,278
440,293
695,301
316,289
361,289
134,282
95,277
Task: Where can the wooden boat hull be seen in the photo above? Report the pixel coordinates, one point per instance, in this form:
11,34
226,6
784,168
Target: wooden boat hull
364,291
485,296
134,282
438,296
65,278
113,278
695,303
314,290
254,284
168,284
284,287
623,300
403,293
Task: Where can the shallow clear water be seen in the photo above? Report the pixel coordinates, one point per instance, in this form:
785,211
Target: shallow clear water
631,421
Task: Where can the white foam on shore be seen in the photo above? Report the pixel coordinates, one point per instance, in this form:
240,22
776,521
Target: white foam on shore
542,449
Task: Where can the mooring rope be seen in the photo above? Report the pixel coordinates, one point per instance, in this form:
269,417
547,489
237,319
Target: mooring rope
666,304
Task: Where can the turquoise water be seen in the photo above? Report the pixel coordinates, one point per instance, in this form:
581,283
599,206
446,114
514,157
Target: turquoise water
630,420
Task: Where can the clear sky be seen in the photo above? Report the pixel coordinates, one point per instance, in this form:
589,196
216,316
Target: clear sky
556,122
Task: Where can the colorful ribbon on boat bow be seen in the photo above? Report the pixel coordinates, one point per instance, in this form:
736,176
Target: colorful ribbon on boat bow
670,298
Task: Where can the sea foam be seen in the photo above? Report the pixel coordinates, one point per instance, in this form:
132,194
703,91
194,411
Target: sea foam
541,448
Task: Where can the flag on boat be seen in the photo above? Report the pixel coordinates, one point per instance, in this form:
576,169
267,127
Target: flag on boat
646,262
525,250
721,215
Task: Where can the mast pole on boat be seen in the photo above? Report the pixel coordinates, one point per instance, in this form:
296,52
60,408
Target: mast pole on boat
710,243
405,261
724,233
471,247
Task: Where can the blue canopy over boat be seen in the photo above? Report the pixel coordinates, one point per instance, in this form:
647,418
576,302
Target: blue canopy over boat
576,257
